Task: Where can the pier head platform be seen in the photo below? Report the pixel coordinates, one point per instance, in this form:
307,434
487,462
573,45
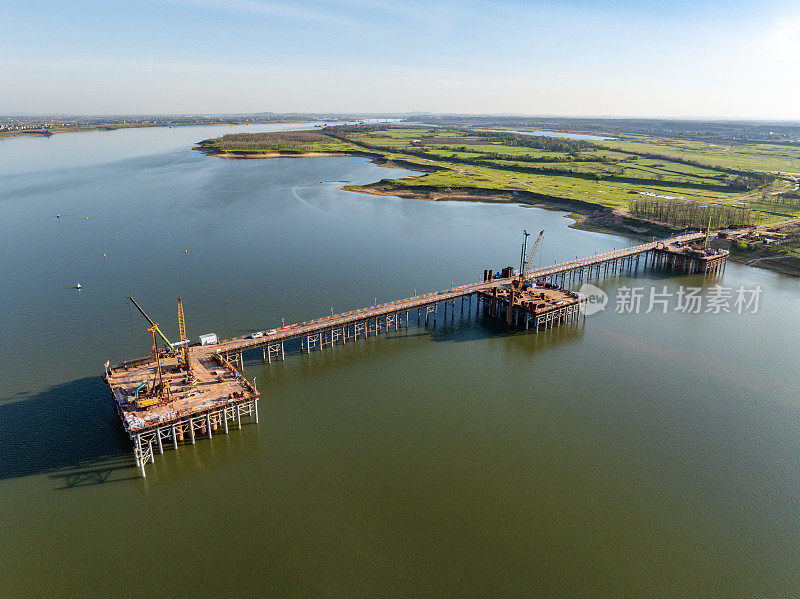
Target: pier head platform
201,405
689,258
531,304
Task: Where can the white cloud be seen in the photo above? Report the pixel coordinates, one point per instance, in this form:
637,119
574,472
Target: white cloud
782,41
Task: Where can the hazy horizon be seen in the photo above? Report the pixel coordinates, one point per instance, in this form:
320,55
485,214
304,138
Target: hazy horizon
354,114
711,61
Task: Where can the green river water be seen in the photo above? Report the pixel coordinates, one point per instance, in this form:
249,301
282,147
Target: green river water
631,455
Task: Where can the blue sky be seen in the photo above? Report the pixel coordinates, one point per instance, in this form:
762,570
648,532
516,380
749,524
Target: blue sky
573,57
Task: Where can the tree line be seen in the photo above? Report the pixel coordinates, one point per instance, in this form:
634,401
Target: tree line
791,198
743,179
549,144
521,157
687,213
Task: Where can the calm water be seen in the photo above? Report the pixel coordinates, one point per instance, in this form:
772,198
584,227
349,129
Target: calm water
634,455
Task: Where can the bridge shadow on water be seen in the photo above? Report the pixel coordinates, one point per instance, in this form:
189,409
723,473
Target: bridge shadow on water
455,330
460,330
69,431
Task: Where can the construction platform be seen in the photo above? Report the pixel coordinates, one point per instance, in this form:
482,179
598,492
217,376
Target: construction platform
542,304
217,395
690,258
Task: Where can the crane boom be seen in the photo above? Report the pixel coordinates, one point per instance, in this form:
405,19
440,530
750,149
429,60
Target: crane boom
150,320
181,321
184,342
524,272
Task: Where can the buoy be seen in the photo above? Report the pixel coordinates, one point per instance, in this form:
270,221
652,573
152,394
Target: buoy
104,256
87,218
187,251
78,286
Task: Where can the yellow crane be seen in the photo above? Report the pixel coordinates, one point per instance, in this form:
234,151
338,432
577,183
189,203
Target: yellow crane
159,391
183,359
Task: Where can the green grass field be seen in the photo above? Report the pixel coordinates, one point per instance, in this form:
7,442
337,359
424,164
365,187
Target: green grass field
282,142
607,173
748,156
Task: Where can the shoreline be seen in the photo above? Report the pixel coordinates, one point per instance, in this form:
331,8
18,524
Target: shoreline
267,155
204,147
115,127
587,215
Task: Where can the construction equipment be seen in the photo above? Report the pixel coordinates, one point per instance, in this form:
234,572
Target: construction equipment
143,396
152,392
526,266
183,359
144,401
525,236
159,391
153,324
144,386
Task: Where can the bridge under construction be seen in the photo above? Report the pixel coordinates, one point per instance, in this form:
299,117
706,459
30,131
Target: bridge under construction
176,395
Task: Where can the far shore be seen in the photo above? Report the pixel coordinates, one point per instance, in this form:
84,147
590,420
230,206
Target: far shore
115,126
